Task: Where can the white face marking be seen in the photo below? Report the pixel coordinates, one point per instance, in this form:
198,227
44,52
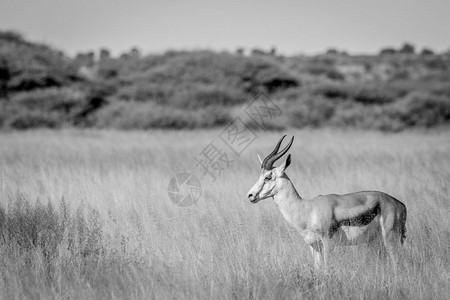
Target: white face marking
264,186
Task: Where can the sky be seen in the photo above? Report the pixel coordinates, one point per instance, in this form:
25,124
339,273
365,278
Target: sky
292,27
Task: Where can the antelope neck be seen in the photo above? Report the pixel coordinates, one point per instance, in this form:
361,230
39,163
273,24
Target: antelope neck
289,201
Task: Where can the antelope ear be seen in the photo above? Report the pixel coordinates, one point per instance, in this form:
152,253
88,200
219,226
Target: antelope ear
285,164
260,160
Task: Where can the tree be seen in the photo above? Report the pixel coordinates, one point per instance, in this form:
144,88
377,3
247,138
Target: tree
332,51
12,36
427,51
135,53
407,49
257,51
273,51
104,54
85,59
240,51
388,51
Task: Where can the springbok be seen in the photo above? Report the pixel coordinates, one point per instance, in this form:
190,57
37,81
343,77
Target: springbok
329,220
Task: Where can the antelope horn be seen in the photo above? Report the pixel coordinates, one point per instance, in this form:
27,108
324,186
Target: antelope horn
274,151
274,156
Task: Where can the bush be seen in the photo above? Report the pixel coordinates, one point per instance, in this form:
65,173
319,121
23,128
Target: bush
203,96
49,108
367,94
246,74
311,112
324,66
41,87
62,100
373,95
292,94
143,92
260,73
32,65
437,63
332,91
4,113
32,119
366,117
133,115
417,109
421,109
334,74
441,89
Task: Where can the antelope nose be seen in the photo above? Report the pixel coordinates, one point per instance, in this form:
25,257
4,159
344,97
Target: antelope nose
250,196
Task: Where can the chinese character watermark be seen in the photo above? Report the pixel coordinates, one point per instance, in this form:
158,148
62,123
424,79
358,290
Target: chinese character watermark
213,160
221,153
237,136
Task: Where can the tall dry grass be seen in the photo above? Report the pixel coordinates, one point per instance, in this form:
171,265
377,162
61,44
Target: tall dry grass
116,234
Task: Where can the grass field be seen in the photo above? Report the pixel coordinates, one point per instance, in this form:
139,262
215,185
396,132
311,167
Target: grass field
112,232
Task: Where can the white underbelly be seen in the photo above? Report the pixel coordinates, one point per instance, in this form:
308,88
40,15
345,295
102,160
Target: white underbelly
352,235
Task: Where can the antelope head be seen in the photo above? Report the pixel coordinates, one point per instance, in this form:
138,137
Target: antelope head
271,179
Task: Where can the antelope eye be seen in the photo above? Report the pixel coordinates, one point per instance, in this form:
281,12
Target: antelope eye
267,178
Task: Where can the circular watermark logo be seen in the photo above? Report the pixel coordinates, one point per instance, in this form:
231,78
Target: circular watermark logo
184,189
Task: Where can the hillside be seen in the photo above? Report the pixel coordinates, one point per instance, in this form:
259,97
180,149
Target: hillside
394,90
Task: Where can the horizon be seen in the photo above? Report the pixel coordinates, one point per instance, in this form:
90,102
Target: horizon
246,51
292,28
